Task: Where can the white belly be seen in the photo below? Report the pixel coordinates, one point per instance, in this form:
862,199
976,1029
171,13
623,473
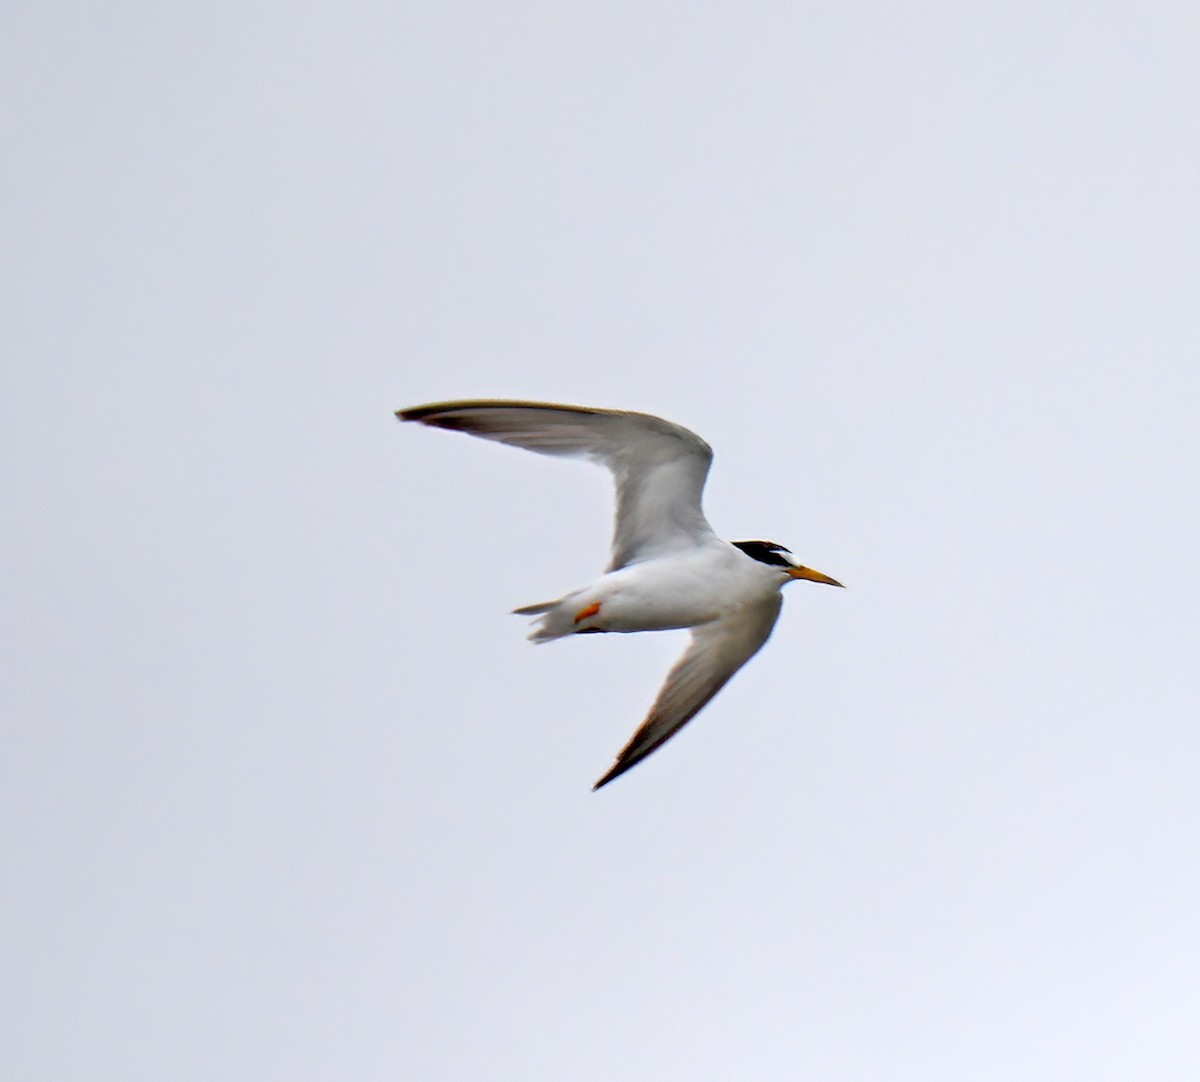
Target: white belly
678,591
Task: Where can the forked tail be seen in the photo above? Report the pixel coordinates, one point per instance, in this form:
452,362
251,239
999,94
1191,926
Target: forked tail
535,610
555,619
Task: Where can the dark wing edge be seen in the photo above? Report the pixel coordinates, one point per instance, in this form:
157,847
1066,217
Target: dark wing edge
438,413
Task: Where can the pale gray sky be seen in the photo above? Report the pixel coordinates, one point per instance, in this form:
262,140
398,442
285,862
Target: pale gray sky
284,793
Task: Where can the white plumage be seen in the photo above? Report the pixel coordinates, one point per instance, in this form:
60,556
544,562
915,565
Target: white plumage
668,568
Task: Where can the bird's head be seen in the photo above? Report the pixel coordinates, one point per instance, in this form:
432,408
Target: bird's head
773,555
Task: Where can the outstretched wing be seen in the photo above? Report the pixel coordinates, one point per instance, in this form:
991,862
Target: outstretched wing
716,652
659,467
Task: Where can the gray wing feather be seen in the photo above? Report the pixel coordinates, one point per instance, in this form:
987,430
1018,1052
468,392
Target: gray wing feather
716,652
659,467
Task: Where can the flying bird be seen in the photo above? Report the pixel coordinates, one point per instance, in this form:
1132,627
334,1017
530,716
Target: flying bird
668,569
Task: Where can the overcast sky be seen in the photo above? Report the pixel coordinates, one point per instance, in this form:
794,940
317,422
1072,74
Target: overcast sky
285,793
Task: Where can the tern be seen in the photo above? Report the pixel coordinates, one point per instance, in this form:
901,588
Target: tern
668,569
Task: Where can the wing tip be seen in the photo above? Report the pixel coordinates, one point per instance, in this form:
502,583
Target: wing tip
617,770
429,409
631,756
452,415
418,413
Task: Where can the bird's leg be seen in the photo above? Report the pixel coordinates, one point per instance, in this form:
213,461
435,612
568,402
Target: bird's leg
589,610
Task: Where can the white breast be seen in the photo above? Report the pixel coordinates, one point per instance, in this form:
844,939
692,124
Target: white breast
682,590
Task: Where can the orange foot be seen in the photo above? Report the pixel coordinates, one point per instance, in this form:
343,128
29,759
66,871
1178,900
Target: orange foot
591,610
